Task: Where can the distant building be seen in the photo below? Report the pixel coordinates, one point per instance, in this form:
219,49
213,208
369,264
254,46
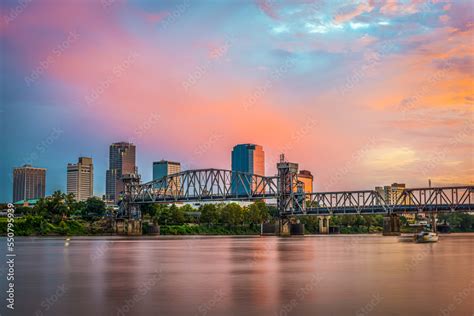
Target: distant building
248,158
164,168
391,193
121,162
26,203
28,183
306,177
80,178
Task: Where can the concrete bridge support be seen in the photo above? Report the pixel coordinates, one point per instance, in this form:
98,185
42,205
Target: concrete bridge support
324,224
297,229
129,227
434,225
269,229
290,227
285,227
391,225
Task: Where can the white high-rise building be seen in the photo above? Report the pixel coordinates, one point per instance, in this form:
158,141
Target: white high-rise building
80,179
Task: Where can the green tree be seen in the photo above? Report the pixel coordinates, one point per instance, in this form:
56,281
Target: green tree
177,215
94,208
467,221
462,221
257,213
25,210
58,204
311,223
336,220
232,214
454,220
369,220
162,214
273,211
188,212
378,220
41,208
403,220
209,214
148,209
71,202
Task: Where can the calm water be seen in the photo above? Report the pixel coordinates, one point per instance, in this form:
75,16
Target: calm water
335,275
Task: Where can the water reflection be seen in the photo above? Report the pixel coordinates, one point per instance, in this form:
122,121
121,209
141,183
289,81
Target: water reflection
335,275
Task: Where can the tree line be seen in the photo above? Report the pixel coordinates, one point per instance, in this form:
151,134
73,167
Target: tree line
231,214
61,207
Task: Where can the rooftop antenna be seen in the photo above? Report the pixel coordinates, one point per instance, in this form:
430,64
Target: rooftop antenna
429,183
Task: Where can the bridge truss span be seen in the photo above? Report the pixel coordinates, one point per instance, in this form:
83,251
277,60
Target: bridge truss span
204,185
224,185
437,199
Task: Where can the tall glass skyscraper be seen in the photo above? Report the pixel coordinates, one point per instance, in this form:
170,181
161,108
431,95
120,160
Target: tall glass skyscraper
121,162
248,158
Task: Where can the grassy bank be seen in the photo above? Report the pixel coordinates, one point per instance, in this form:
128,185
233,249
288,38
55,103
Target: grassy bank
39,226
31,225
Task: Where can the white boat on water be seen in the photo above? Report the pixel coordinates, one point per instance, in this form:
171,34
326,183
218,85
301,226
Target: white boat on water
426,237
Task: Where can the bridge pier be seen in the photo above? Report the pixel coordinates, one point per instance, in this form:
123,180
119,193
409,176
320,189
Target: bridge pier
324,224
391,225
289,227
269,229
284,227
129,227
433,218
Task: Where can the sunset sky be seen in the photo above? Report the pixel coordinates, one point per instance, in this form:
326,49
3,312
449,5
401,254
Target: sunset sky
360,93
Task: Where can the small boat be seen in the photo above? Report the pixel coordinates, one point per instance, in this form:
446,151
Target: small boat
426,237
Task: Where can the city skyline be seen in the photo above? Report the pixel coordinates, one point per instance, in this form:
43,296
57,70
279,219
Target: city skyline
360,94
237,157
307,175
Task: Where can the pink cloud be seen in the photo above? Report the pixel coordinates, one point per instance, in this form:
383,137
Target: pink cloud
268,7
358,10
398,8
444,18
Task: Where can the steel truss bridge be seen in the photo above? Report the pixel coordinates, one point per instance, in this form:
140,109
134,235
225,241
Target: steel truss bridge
206,185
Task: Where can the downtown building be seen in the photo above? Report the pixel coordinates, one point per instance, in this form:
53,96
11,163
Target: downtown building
29,183
80,179
306,178
121,163
391,193
164,168
247,158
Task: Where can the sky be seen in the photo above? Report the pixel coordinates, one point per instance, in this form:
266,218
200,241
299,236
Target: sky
361,93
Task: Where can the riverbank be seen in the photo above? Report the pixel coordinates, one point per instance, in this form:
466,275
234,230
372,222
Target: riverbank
39,226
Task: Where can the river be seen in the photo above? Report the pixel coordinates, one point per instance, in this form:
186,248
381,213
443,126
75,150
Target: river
323,275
